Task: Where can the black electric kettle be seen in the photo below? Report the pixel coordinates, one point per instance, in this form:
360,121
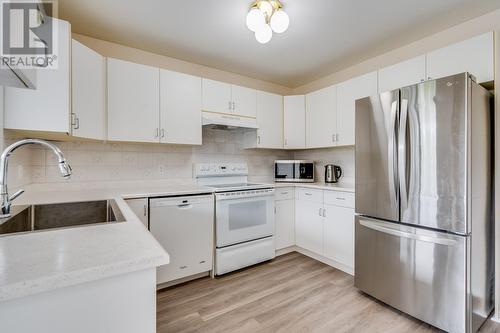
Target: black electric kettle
332,173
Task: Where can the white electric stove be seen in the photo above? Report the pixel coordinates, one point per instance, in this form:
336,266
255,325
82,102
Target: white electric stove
244,216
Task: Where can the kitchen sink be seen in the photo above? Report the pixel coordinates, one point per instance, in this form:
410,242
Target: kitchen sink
29,218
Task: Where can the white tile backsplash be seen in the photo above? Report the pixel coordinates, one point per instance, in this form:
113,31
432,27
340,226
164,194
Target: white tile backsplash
341,156
117,161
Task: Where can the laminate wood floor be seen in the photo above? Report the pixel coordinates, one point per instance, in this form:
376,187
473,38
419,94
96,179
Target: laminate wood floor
292,293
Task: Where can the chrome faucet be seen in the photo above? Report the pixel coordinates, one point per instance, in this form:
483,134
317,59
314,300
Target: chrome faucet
64,169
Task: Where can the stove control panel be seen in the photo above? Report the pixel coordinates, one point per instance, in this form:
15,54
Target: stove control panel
220,169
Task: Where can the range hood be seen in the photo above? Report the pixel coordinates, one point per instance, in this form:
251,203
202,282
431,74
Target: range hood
226,121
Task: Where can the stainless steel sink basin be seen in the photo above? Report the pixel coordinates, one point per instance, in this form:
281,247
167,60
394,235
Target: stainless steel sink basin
30,218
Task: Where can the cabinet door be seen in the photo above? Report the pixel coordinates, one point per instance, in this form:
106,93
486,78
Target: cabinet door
270,120
285,224
402,74
294,122
244,101
321,118
133,102
309,226
474,55
88,77
347,94
216,96
339,235
48,107
140,209
180,104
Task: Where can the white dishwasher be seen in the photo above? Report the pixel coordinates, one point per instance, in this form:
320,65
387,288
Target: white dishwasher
184,227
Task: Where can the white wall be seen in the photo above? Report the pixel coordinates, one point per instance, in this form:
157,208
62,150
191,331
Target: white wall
124,161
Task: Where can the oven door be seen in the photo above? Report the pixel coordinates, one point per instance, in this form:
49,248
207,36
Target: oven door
243,216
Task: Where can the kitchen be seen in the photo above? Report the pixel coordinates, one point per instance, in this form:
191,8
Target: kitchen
193,177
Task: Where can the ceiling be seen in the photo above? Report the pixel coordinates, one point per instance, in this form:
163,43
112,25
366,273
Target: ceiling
324,35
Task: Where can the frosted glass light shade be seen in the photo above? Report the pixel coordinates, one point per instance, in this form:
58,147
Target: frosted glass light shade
279,21
255,18
266,7
264,34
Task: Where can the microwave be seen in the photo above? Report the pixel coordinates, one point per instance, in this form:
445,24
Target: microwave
296,171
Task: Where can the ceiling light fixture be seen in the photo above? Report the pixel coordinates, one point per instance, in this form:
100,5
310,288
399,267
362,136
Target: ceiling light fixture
266,16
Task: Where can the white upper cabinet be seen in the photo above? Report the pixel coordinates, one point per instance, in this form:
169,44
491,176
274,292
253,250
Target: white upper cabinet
48,108
402,74
294,117
133,102
270,120
88,92
180,104
244,101
321,118
222,97
474,55
216,96
347,94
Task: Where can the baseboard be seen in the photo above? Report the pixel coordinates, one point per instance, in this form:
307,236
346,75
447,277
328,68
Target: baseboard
286,250
181,280
344,268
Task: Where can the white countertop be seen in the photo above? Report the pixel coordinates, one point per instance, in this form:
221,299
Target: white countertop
46,260
320,186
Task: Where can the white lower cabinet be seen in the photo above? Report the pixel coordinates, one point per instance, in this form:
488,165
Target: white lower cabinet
324,225
284,218
309,225
338,238
140,209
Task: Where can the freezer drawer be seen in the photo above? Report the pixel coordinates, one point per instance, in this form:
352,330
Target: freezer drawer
417,271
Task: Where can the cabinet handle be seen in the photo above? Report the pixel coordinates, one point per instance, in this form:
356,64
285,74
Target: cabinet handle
337,137
429,78
157,132
75,122
333,137
162,132
283,193
340,198
286,142
258,139
320,212
229,105
234,106
183,267
308,194
145,210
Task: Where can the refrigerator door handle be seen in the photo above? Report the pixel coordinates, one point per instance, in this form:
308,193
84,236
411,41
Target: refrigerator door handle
402,168
382,227
392,163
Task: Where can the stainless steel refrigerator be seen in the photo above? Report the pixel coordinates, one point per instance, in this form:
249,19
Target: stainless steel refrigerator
424,226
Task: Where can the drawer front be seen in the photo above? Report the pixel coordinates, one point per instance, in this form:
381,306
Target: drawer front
342,199
308,194
284,193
